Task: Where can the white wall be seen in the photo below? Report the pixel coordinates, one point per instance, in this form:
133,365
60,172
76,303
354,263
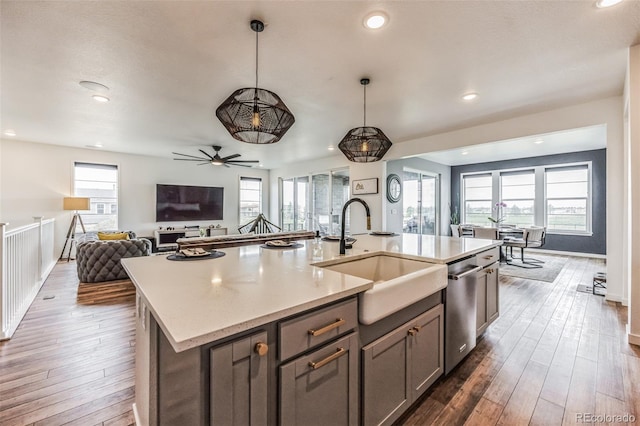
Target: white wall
35,177
633,196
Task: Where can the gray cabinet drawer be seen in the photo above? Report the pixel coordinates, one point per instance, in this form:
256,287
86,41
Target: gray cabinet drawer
307,331
488,257
321,388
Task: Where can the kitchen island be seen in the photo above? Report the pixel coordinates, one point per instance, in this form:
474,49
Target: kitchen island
247,300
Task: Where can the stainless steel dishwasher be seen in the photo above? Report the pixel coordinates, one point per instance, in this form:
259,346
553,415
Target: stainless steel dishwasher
460,311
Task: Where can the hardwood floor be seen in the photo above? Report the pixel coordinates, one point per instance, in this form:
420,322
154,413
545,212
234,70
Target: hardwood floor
553,353
71,360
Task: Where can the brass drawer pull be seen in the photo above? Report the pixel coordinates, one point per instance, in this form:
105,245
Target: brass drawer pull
261,348
327,360
336,324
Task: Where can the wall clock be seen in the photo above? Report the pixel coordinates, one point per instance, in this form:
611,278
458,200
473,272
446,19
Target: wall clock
394,188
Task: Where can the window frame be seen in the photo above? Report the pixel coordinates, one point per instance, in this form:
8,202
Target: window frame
589,198
240,190
540,201
74,191
463,199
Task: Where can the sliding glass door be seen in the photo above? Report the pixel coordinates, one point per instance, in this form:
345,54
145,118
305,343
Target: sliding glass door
314,202
421,195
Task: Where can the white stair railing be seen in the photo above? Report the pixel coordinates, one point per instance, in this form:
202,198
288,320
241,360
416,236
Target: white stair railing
26,259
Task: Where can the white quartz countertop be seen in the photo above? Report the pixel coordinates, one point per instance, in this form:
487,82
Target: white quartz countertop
200,301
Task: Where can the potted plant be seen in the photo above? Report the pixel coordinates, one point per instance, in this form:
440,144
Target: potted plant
499,216
454,221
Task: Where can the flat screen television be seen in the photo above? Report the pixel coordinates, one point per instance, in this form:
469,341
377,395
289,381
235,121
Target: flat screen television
187,203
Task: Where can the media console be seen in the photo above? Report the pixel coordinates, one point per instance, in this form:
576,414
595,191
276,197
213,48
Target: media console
166,238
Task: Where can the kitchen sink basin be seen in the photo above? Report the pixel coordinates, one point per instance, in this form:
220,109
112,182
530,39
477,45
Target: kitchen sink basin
398,282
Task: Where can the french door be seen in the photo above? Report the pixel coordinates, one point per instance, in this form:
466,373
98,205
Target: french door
421,202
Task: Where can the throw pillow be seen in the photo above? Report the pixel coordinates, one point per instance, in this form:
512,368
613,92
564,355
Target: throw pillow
113,236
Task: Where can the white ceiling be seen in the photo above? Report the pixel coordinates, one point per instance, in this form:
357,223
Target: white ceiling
583,139
170,64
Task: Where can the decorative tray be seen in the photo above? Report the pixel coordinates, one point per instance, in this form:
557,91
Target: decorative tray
213,254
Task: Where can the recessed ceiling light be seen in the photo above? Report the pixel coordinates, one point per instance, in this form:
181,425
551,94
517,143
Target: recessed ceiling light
601,4
331,147
538,142
464,152
96,87
100,98
376,20
260,165
469,96
10,132
98,145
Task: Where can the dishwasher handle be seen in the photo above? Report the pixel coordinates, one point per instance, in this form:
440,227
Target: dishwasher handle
473,270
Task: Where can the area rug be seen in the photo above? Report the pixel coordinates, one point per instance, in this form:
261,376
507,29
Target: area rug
110,292
551,268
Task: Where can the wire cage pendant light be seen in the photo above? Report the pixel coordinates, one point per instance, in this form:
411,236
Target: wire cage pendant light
255,115
365,144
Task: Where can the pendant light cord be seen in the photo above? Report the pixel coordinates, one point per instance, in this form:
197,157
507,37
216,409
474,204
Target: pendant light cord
256,61
365,106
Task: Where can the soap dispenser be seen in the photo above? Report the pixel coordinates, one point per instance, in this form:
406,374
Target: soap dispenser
317,248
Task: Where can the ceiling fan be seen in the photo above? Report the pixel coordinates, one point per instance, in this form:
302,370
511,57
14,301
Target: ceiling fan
216,160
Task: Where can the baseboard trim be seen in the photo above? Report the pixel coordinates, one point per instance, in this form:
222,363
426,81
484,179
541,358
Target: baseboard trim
136,417
634,339
614,298
568,253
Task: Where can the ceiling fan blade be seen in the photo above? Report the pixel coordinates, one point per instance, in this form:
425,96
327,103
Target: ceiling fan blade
205,153
226,165
191,159
230,157
243,161
202,164
239,165
187,155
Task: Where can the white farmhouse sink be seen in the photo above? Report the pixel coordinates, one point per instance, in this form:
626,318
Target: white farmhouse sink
398,282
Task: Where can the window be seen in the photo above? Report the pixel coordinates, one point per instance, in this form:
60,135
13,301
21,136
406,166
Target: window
250,199
567,199
518,192
478,195
99,182
557,197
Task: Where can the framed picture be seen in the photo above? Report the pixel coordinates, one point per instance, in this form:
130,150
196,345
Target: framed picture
365,186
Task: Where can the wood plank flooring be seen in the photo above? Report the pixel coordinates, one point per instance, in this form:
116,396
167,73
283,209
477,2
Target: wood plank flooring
71,360
553,353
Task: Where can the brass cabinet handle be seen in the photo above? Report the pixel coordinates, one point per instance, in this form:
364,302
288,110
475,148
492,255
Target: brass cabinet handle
413,330
490,271
339,352
489,257
338,322
261,348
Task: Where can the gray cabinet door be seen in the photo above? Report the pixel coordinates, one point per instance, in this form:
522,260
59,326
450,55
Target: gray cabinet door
426,350
321,388
482,319
386,385
239,382
398,367
493,294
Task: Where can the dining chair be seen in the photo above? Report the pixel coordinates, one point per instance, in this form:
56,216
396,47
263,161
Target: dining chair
486,233
456,231
531,237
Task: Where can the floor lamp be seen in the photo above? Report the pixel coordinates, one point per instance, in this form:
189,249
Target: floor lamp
75,204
